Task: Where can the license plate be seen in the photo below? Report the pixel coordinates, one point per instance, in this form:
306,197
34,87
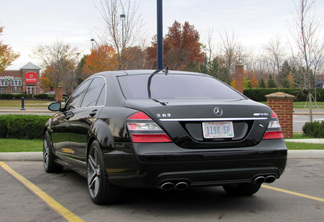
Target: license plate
218,130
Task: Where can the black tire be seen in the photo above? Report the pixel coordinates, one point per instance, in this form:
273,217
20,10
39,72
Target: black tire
100,190
242,189
50,166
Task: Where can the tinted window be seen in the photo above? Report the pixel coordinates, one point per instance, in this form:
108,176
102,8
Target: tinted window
76,98
102,96
93,92
176,86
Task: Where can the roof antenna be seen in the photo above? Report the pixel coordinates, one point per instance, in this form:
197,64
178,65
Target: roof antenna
166,71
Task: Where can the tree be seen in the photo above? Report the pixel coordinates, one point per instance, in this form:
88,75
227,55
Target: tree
262,84
283,80
135,58
254,82
7,55
111,33
291,80
308,38
59,61
102,58
274,54
217,68
232,51
271,83
181,48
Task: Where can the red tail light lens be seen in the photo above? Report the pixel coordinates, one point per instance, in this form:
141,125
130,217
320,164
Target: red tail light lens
274,129
143,129
273,135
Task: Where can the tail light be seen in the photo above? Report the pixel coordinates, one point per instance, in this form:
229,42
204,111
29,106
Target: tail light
274,129
143,129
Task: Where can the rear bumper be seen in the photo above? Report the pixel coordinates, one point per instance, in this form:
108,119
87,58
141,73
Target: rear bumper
155,164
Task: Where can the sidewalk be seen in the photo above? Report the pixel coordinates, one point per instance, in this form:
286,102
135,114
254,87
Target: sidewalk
305,111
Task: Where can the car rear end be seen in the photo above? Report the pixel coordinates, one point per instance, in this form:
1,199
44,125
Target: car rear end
197,131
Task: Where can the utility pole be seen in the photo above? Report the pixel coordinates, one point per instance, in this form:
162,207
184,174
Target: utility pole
159,35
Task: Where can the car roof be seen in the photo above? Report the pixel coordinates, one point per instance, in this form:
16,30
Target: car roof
143,72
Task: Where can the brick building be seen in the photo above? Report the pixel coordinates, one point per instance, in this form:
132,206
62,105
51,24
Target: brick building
25,80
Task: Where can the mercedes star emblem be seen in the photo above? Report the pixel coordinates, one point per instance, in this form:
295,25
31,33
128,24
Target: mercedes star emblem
218,111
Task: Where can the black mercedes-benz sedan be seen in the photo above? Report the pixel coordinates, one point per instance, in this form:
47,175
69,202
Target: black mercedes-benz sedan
166,130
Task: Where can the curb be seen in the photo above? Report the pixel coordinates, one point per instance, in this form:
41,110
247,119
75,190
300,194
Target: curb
21,156
38,156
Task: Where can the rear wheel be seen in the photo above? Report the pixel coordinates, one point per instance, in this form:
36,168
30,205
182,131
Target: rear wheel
100,190
242,189
48,157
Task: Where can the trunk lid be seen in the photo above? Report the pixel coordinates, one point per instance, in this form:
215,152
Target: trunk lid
188,121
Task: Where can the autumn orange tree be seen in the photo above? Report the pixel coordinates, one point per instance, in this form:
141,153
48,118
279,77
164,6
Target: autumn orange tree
7,55
181,48
101,58
58,60
254,82
135,58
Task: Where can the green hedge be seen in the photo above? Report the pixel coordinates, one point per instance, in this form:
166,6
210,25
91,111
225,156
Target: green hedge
22,126
300,95
26,96
314,129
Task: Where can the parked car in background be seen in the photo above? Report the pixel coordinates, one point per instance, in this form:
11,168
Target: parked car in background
166,130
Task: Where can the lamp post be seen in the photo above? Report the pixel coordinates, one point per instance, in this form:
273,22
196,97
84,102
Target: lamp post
122,17
92,41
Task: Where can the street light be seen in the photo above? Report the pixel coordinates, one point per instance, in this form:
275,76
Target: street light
122,17
205,53
92,41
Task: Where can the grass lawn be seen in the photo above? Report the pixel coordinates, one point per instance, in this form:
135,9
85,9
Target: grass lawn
304,146
301,105
28,103
19,145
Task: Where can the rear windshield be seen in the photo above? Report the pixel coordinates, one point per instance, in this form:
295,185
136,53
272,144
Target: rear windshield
175,86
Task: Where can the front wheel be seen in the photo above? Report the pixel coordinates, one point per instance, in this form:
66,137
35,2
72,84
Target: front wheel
100,190
242,189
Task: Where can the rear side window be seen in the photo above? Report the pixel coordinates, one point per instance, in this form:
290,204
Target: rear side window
174,86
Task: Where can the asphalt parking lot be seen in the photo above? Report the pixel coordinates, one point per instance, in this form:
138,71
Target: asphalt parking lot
29,194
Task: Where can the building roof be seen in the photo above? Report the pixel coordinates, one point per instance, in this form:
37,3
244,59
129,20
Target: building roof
30,66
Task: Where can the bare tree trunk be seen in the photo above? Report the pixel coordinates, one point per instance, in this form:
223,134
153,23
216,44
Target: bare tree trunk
310,106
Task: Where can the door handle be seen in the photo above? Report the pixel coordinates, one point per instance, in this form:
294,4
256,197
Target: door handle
68,115
93,113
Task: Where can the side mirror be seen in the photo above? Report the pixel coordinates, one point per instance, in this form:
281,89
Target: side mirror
55,106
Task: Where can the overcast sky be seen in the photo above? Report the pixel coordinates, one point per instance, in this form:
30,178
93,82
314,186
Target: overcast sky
29,23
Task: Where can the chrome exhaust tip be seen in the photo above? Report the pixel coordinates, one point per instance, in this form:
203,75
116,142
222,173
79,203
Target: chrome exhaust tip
259,180
181,186
270,179
167,186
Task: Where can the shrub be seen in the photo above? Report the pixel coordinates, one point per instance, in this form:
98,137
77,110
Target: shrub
6,96
22,126
300,95
314,129
41,96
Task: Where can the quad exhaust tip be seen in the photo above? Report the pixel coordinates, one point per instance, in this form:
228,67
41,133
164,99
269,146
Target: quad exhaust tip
167,186
270,179
266,179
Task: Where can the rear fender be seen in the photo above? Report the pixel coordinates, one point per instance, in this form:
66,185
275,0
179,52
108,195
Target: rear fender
100,131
